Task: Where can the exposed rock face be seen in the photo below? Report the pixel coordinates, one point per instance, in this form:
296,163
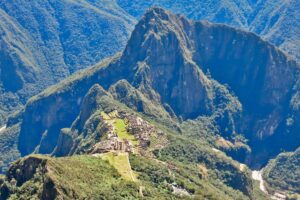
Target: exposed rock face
184,65
65,142
252,68
276,21
25,169
164,65
46,121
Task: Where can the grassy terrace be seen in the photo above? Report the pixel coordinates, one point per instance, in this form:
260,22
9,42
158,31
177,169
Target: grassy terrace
120,161
120,127
122,133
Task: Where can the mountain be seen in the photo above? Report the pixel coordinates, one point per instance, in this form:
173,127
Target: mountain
258,105
257,102
66,36
275,21
282,173
156,164
190,95
43,42
51,178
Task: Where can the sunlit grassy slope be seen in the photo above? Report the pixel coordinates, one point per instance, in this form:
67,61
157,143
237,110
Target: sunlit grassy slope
121,162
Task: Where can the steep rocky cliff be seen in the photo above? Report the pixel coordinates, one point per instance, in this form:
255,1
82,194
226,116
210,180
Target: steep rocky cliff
276,21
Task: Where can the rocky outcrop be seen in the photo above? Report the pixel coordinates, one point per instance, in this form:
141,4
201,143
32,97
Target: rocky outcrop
132,97
32,169
251,67
25,169
65,142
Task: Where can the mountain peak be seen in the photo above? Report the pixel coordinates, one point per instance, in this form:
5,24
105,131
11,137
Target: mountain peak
157,12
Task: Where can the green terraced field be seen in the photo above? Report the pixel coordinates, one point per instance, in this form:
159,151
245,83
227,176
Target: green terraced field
121,162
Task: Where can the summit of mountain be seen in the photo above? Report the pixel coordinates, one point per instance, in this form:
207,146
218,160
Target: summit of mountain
275,21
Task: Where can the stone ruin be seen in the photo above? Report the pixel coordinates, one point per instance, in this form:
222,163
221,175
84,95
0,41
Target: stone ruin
141,129
113,144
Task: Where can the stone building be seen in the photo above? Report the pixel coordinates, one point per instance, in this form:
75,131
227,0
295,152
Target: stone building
113,144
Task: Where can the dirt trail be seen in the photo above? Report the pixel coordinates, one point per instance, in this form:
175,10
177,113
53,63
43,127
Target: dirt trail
131,172
257,175
2,128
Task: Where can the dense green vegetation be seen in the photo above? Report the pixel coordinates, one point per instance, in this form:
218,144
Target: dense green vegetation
222,167
283,172
64,178
46,41
9,147
183,163
77,177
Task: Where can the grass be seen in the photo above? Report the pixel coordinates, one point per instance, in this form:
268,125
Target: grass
105,116
69,172
120,127
86,177
122,133
121,162
78,177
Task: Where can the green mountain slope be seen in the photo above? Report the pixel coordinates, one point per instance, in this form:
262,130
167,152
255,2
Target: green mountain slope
43,42
161,168
55,178
228,12
64,36
282,173
277,22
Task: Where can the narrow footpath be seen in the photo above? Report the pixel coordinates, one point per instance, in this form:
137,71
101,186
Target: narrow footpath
2,128
257,175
